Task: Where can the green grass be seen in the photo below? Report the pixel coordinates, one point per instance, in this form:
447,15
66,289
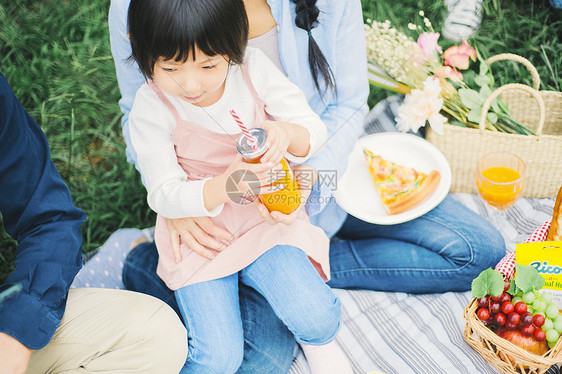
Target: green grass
56,56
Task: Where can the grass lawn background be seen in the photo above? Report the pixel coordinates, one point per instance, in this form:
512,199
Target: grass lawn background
56,56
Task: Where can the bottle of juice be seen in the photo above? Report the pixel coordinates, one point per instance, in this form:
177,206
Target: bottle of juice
288,198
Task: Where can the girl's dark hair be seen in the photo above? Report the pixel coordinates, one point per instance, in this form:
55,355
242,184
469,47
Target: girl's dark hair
172,29
307,19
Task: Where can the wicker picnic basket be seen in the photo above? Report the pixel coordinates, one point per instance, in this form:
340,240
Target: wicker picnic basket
542,153
493,347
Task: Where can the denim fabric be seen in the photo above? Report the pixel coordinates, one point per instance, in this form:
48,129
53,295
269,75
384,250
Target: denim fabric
268,344
289,282
139,274
443,250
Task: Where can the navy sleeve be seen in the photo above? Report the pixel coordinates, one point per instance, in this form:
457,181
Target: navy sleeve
40,215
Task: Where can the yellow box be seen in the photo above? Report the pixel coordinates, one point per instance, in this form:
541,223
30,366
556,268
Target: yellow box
546,257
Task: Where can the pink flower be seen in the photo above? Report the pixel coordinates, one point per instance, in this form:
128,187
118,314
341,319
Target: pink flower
427,42
457,57
448,72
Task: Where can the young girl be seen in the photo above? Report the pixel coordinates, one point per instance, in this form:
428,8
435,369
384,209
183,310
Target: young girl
193,55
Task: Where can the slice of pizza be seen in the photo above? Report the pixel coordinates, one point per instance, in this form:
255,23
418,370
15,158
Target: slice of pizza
399,187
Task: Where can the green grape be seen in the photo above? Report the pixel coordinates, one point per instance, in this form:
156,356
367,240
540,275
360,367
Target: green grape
546,297
517,299
552,311
529,297
558,325
552,335
548,324
539,304
551,344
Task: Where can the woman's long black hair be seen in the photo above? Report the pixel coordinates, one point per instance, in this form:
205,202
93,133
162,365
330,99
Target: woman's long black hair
307,19
172,29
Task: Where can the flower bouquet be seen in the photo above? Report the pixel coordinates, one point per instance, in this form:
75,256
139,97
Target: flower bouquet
454,91
435,82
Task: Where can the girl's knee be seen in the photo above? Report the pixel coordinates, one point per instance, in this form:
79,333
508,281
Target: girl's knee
321,324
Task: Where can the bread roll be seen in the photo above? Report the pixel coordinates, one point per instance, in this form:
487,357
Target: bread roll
555,232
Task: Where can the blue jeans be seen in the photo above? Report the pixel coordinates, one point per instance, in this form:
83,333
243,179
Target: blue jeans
291,285
443,250
268,343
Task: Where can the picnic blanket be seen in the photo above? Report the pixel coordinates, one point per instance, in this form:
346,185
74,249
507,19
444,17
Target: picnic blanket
381,331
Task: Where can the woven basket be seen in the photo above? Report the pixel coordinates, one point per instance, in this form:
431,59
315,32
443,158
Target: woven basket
542,153
490,346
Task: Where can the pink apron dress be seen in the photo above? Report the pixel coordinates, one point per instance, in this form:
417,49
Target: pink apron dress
203,153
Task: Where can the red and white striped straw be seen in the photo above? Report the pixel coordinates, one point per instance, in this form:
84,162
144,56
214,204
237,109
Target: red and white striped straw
244,129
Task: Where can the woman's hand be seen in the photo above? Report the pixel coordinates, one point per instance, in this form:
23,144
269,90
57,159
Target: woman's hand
200,234
306,176
14,356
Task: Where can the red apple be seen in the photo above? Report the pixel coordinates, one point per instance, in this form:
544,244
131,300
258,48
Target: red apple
528,343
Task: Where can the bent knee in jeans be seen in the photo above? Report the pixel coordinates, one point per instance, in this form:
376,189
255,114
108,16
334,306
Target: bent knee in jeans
298,295
320,325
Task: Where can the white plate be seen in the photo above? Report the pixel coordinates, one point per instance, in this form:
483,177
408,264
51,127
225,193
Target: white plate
356,192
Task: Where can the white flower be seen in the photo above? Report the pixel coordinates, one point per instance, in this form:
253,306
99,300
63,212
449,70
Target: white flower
420,106
390,49
411,26
421,13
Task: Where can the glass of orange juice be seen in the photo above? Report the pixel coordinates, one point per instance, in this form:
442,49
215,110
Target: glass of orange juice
500,177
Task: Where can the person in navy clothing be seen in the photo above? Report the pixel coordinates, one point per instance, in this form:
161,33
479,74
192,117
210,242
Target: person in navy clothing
142,333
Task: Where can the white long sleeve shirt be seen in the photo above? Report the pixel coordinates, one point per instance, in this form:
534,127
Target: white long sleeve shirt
152,125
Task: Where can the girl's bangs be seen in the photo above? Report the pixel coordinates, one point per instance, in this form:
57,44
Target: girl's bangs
178,40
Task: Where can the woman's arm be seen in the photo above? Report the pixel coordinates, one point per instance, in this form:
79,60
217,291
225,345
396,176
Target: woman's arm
129,76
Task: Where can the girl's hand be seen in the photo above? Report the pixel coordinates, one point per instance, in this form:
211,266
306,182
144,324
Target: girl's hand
252,179
283,137
278,141
201,234
306,177
241,180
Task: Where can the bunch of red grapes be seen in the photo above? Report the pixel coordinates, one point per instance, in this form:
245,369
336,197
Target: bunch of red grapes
500,311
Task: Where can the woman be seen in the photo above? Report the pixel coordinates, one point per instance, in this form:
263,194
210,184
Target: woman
438,252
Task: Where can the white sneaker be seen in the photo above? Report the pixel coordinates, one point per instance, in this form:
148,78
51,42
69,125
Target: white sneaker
463,19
